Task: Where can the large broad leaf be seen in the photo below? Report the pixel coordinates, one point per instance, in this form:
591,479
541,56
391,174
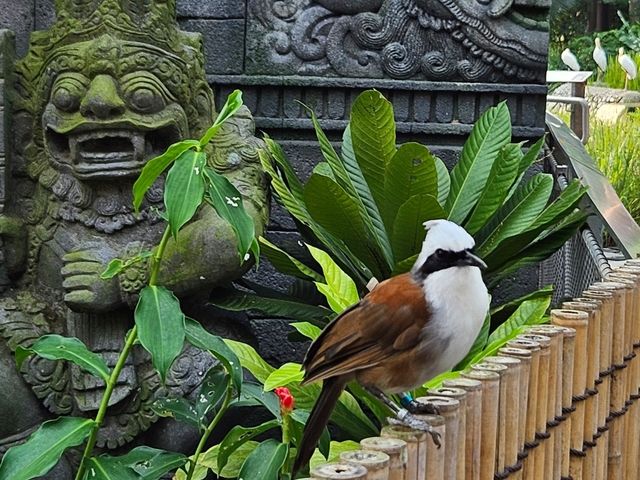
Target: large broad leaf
491,132
284,375
412,171
285,168
238,301
287,264
160,325
254,395
335,450
56,347
234,463
332,207
231,106
517,214
307,329
444,181
141,463
265,462
373,133
526,161
197,336
184,189
224,197
108,468
408,231
44,447
239,435
478,345
340,290
214,386
503,174
300,418
373,403
179,408
371,211
251,360
154,168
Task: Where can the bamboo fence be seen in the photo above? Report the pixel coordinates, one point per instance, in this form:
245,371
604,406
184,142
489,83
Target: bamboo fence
559,401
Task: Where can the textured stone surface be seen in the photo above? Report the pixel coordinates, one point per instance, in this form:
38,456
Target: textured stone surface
211,8
19,17
223,43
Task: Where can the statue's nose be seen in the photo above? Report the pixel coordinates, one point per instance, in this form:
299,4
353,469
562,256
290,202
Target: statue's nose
102,100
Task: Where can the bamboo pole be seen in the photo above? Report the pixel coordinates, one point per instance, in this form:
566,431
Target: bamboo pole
460,396
473,434
510,410
434,456
449,410
553,446
592,308
579,321
615,465
490,388
530,440
376,463
542,395
395,449
339,471
416,448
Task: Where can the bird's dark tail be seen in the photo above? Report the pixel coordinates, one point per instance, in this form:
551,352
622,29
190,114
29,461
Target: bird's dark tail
331,390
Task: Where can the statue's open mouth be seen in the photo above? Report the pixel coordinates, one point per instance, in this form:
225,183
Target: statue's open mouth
104,152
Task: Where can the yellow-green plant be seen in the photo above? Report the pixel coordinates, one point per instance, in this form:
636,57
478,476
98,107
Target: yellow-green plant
614,76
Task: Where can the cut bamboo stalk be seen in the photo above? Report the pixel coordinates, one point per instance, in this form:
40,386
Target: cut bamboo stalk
449,410
488,419
395,449
339,471
510,383
573,388
473,434
460,396
542,395
523,401
434,457
376,463
416,448
530,440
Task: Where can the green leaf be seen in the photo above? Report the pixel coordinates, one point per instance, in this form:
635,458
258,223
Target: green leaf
250,359
224,197
234,463
512,305
214,386
154,168
335,450
478,345
108,468
437,382
284,375
526,161
160,325
141,463
331,206
44,447
491,132
408,228
517,214
281,169
341,292
444,181
179,408
238,436
114,267
56,347
198,337
405,265
503,174
254,395
184,189
265,462
238,301
369,209
379,409
412,171
373,132
307,329
231,106
300,418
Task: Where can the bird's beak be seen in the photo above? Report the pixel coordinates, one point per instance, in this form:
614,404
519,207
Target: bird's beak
473,261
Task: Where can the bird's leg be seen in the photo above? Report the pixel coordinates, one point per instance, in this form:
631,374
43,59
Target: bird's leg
404,416
626,81
418,408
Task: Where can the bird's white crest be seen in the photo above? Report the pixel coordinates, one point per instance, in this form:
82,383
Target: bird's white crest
569,59
600,56
446,235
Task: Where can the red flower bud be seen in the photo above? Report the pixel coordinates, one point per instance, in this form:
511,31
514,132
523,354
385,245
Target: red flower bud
287,402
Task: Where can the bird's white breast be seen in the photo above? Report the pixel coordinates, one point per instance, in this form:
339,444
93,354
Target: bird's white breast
459,302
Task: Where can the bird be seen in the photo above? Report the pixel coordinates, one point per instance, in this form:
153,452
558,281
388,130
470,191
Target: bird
569,59
600,57
408,329
628,65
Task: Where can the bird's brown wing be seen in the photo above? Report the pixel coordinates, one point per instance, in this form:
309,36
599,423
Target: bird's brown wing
387,320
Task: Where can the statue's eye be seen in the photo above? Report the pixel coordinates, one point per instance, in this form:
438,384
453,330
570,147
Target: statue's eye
144,93
68,92
145,100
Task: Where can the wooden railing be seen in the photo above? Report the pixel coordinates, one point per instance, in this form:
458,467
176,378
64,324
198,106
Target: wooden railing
557,402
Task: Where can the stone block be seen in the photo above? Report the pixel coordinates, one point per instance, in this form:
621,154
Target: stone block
223,44
45,14
219,9
19,18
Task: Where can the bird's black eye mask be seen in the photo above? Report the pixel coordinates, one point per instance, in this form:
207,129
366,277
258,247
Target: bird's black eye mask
443,259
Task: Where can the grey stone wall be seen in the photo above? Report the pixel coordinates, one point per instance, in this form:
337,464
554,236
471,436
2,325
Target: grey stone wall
441,63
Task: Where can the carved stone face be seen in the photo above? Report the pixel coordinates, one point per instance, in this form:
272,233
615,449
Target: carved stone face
107,111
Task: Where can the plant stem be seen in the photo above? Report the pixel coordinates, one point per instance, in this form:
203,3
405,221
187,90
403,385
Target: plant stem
286,439
157,256
111,383
210,427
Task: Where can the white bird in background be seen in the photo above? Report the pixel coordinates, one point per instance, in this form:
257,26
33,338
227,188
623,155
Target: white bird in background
600,57
570,60
628,65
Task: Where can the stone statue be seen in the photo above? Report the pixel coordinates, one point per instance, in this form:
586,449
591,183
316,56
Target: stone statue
109,86
453,40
